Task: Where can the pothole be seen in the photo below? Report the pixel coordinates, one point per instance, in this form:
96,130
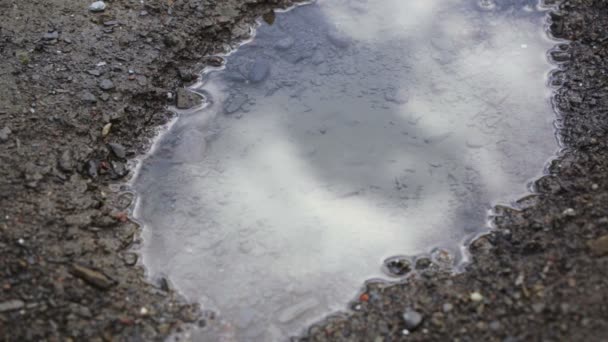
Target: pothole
347,136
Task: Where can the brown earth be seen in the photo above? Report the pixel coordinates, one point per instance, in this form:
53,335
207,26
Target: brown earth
83,93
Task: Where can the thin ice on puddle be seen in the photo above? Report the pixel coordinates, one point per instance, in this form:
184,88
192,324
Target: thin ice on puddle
346,133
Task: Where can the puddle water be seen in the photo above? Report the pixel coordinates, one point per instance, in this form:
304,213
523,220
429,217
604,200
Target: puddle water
346,132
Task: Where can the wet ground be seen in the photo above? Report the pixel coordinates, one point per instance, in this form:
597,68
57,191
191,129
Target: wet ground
67,270
337,138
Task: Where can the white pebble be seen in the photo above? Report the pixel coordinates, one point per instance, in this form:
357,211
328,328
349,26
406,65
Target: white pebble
476,297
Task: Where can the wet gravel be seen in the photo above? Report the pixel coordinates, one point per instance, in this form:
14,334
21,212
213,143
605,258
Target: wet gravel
83,92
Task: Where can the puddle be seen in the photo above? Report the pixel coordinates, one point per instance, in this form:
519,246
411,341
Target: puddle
346,132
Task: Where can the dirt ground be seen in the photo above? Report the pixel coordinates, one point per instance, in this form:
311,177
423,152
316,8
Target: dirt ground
82,93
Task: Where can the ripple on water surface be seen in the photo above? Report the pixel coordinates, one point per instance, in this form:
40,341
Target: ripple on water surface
346,132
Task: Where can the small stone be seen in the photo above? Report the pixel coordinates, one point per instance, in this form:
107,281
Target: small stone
234,103
51,35
423,263
162,282
97,6
269,17
66,163
106,129
569,212
106,84
94,72
398,266
443,257
594,186
476,297
259,71
599,246
118,150
495,325
92,167
215,61
130,259
482,245
4,133
186,74
93,277
11,305
447,307
412,319
172,40
186,99
119,170
88,97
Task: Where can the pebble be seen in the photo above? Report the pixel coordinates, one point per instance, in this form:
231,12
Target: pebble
130,259
66,163
4,133
119,170
106,84
97,6
87,97
259,70
443,257
51,35
599,246
234,103
185,74
476,297
106,129
215,61
423,263
398,265
11,305
569,212
186,99
118,150
447,307
92,169
412,318
92,277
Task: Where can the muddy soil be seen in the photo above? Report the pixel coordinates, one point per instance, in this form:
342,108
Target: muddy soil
82,94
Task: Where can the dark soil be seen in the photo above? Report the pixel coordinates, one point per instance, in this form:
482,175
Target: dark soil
83,93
